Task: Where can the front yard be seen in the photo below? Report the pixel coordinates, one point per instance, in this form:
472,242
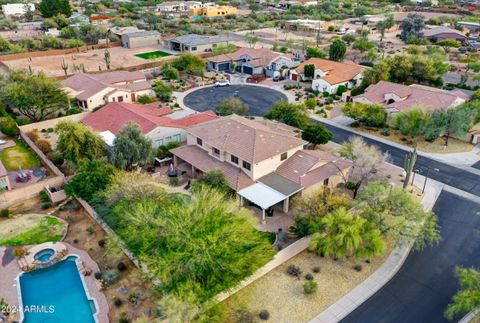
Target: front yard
30,229
19,157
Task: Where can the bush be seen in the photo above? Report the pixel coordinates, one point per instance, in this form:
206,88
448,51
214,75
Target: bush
310,103
385,132
121,266
350,185
5,213
22,121
44,196
98,275
310,287
264,315
19,252
101,243
73,111
8,126
46,205
145,99
341,89
316,269
174,181
357,267
110,276
117,302
90,230
33,135
43,145
293,270
309,276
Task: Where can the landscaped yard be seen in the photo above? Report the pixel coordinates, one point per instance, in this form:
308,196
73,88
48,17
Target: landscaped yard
19,157
30,229
283,297
153,55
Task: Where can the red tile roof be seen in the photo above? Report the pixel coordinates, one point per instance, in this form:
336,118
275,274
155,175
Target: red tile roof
337,72
115,115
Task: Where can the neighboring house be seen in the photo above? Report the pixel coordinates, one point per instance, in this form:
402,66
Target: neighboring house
142,38
421,2
120,31
17,9
213,11
263,161
398,98
307,25
178,6
52,32
78,19
94,90
251,61
195,43
329,75
4,181
472,27
444,33
159,124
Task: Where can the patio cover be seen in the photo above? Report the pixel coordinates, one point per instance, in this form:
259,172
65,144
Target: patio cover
262,195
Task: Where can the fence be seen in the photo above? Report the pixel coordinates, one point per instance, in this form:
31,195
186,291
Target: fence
11,197
52,122
47,162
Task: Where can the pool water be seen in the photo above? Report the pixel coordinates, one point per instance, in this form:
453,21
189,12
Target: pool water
57,295
44,255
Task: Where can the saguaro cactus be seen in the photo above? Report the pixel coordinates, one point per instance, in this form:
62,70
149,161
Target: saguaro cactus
107,58
64,66
410,160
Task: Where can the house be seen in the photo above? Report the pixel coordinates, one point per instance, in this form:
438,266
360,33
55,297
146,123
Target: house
472,27
213,11
120,31
444,33
141,38
178,6
4,181
159,124
398,97
263,161
78,19
251,61
94,90
329,75
307,25
195,43
17,9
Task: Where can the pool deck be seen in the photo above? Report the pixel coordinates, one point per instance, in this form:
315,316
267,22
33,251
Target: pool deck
10,272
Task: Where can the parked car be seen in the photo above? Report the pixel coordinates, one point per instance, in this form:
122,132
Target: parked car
222,83
278,78
3,142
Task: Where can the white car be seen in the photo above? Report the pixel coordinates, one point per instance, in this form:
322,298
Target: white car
222,83
2,142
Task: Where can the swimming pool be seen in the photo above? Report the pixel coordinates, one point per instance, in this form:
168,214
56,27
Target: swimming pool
56,294
44,255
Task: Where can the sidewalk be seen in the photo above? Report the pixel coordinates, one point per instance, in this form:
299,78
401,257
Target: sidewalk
348,303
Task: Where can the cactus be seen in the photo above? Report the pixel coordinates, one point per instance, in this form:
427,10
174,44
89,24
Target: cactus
410,160
107,58
64,66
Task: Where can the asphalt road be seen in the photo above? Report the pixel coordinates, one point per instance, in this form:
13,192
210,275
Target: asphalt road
441,172
259,99
425,284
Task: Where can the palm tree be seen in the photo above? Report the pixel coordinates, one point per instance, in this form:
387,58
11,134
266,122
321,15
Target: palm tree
341,234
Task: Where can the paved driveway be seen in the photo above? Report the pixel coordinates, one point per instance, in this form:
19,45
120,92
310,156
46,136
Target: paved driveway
425,284
259,99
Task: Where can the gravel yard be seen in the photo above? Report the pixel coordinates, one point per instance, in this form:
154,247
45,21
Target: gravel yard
282,295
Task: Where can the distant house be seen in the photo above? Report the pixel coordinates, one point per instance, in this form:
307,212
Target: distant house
78,19
444,33
213,11
263,161
178,6
120,31
398,98
329,75
94,90
4,181
472,27
160,124
17,9
195,43
142,38
251,61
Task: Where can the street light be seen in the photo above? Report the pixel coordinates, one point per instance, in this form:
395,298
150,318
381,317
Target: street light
426,177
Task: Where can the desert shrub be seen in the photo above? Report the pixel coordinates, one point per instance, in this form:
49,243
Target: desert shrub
309,276
145,99
357,267
121,266
44,196
98,275
19,251
242,314
101,243
110,276
310,103
22,121
117,302
174,181
43,145
4,213
45,205
385,132
264,315
8,126
310,287
33,135
90,230
293,270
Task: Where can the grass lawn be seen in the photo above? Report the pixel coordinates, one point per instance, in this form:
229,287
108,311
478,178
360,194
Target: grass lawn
153,55
19,156
31,230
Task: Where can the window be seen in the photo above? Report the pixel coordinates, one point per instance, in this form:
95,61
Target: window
283,156
199,141
246,165
113,99
215,151
159,143
177,137
120,99
234,159
194,48
325,182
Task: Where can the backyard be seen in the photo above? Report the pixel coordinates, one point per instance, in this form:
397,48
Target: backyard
19,157
30,229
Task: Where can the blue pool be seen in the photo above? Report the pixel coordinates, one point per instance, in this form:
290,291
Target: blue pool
56,294
44,255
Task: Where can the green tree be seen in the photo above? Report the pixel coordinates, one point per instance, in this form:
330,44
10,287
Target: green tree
349,38
291,114
163,91
5,45
458,122
170,73
341,234
316,134
251,40
76,142
309,71
190,63
214,179
35,96
145,99
232,106
92,176
50,8
315,52
467,298
337,50
224,49
373,115
410,123
446,44
363,45
412,25
131,147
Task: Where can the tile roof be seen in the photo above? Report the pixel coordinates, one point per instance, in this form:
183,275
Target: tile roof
143,33
337,72
198,157
250,140
309,167
412,96
3,170
115,115
260,56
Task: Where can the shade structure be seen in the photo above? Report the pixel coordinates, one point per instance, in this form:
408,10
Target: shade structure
262,195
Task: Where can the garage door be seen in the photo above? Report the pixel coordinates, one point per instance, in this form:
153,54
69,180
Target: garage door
224,66
248,70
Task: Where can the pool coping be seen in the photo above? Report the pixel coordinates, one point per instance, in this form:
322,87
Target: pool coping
84,284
